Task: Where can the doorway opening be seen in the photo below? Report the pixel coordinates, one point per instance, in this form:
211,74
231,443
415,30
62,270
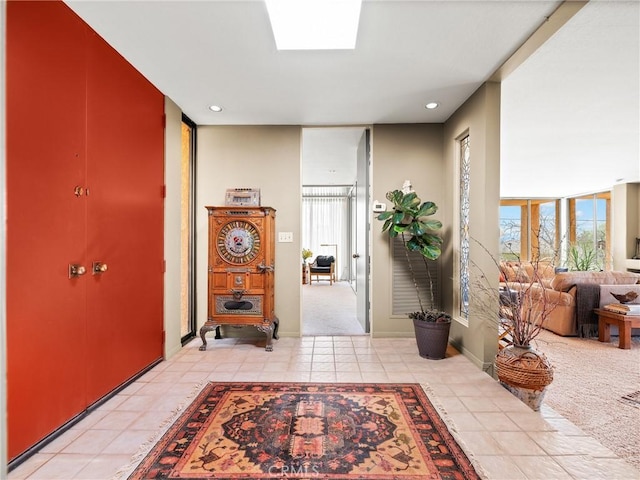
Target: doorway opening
335,166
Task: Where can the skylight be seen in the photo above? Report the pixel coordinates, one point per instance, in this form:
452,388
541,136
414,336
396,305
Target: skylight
314,24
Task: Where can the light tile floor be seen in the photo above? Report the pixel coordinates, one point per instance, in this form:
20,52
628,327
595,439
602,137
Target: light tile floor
504,437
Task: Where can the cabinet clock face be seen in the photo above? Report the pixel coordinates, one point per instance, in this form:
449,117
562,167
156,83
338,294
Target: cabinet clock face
238,242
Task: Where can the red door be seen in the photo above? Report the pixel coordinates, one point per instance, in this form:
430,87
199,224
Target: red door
125,139
46,228
78,116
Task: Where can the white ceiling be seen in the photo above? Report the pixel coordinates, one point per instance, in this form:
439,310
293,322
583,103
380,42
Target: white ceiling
329,155
573,103
571,112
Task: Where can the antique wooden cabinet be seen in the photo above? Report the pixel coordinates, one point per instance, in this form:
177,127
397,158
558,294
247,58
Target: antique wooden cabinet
241,270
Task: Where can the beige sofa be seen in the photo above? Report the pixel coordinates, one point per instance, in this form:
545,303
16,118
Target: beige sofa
559,293
516,274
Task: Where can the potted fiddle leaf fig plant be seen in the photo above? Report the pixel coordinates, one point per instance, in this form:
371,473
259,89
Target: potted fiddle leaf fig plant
408,220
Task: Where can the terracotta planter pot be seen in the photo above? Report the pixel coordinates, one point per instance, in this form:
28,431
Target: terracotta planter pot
432,338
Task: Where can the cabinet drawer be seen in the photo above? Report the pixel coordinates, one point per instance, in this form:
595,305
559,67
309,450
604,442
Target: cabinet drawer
230,280
243,306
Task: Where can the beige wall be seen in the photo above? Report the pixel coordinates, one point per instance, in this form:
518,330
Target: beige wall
401,152
625,227
480,118
264,157
268,157
172,222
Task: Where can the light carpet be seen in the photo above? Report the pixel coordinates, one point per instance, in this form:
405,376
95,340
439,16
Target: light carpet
329,310
590,379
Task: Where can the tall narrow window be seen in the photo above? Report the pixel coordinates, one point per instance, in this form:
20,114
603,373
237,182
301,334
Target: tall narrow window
510,232
325,223
187,241
547,235
465,169
589,248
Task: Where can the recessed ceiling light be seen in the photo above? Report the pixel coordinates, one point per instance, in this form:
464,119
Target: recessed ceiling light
314,24
215,108
431,105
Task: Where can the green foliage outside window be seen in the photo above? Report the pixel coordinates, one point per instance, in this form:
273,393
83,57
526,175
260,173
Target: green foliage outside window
583,257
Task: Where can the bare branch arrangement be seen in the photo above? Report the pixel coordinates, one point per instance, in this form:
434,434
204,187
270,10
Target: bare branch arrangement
522,307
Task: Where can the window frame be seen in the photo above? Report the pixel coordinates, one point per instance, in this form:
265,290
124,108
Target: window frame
530,217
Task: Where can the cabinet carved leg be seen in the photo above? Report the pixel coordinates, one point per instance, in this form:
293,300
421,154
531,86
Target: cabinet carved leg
218,335
271,330
268,329
204,330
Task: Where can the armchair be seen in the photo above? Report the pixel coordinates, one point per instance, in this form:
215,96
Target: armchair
323,266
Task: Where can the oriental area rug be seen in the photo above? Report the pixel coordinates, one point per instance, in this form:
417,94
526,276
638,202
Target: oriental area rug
307,430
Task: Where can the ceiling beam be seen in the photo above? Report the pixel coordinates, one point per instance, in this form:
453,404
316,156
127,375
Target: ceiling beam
551,25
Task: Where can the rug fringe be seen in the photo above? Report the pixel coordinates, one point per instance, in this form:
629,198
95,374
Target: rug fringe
631,399
482,473
146,447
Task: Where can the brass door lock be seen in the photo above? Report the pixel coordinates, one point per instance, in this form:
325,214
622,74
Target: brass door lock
98,268
76,270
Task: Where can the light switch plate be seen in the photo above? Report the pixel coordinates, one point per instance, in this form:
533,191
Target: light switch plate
285,236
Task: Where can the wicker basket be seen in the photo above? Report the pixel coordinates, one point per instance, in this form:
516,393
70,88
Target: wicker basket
529,370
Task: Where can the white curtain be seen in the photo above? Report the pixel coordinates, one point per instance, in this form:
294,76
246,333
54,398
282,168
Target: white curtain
325,220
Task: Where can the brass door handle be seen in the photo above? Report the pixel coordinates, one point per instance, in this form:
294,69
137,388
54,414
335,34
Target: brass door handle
76,270
262,268
99,267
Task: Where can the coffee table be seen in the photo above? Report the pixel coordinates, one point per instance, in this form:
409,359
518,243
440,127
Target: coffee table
624,323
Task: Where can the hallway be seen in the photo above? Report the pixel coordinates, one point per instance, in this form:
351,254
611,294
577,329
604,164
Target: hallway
499,433
329,310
